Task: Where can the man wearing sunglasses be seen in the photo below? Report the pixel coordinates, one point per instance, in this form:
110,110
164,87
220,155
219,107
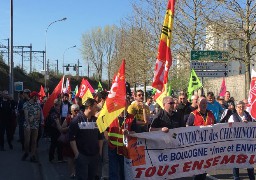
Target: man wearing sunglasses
167,118
140,111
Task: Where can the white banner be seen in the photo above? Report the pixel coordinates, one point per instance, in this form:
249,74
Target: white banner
190,150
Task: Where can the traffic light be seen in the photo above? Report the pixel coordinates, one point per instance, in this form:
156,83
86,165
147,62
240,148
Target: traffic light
67,68
74,68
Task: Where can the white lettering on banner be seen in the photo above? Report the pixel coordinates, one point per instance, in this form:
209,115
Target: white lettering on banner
191,150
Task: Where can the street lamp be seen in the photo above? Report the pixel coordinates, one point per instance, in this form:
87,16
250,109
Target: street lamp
63,57
44,67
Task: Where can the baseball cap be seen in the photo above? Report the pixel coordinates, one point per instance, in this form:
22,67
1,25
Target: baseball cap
34,93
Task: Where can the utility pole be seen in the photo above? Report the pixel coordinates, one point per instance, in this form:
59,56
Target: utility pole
88,70
11,83
30,57
22,58
57,68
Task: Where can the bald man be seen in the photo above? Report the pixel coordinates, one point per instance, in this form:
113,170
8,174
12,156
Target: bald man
201,117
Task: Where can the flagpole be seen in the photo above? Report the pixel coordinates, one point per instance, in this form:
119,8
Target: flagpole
203,86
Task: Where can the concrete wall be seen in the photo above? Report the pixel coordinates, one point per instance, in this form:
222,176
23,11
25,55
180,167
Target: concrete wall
235,84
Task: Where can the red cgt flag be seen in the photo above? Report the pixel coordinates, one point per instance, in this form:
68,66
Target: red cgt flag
252,96
223,88
164,58
50,101
115,102
85,90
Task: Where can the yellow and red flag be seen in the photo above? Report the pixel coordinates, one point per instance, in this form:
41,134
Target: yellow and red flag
115,102
50,101
85,90
164,58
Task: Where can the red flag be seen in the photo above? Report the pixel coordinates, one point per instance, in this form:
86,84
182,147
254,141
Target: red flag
41,92
49,103
115,102
68,88
223,88
164,58
85,90
252,96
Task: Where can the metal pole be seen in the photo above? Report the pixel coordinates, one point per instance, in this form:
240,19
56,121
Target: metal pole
8,52
57,68
22,60
45,45
77,69
63,57
30,57
11,92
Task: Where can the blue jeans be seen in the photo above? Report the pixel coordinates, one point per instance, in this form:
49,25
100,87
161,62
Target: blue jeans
250,172
116,165
86,167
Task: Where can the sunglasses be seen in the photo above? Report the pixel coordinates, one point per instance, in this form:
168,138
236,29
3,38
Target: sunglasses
140,95
171,103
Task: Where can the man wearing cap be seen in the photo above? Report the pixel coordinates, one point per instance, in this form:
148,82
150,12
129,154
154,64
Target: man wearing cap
32,113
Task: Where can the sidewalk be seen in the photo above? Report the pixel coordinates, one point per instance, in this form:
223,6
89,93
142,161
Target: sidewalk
12,168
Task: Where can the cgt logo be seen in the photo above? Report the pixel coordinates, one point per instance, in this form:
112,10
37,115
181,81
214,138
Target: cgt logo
83,88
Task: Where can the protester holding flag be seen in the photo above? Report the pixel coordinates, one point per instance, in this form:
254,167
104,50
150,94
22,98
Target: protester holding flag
123,124
86,141
140,111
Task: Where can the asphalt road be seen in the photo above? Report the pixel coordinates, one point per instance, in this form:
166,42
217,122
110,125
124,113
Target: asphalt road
12,168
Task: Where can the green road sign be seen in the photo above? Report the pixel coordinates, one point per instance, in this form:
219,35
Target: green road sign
209,56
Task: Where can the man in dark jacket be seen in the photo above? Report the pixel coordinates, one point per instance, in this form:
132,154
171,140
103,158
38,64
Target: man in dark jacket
86,141
167,118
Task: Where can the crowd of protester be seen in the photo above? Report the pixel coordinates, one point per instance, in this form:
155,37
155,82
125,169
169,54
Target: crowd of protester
74,137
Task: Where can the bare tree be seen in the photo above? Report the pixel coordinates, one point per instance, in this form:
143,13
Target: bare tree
98,47
237,22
